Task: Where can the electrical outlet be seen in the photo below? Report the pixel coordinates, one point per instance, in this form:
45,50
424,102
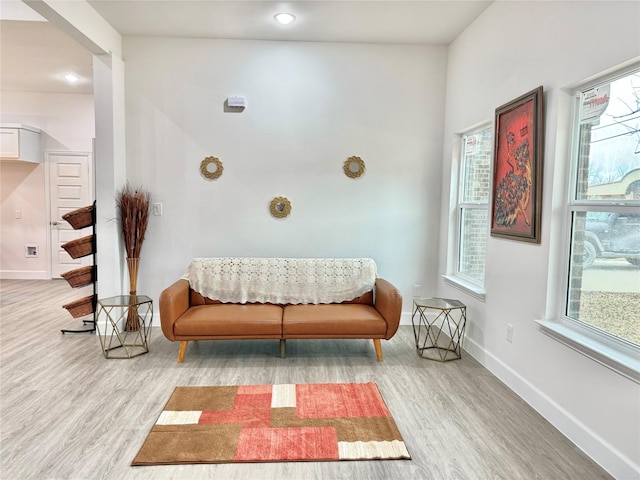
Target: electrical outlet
509,332
416,290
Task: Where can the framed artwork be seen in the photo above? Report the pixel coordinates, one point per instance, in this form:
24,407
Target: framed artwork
517,169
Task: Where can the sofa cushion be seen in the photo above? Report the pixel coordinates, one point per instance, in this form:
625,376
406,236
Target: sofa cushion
364,299
226,319
332,321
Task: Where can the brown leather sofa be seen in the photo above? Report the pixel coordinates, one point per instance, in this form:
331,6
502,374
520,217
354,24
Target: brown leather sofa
186,315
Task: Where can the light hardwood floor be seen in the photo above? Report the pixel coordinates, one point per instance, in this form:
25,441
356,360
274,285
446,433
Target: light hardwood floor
68,413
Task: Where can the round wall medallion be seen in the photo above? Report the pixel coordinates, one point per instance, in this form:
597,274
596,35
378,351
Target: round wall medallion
211,167
280,207
353,167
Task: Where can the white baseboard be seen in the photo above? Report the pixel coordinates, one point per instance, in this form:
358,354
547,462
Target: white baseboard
24,275
599,450
405,318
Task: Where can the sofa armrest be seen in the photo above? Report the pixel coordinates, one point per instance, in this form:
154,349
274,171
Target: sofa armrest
388,303
174,301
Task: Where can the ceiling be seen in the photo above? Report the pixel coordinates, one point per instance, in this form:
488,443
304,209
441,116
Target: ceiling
394,21
34,55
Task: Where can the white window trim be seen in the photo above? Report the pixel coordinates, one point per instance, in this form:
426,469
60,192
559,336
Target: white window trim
466,286
614,353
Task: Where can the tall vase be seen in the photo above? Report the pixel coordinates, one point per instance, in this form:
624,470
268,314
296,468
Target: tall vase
133,322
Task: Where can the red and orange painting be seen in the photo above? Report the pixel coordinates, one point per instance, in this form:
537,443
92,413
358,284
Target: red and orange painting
517,167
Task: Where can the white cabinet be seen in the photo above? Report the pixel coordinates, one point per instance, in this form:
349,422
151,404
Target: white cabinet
20,143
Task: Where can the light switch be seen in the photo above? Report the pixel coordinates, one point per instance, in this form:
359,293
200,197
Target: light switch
157,209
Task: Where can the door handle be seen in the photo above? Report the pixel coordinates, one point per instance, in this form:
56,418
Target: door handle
54,223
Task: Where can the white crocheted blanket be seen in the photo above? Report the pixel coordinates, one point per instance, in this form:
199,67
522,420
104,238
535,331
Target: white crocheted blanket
281,280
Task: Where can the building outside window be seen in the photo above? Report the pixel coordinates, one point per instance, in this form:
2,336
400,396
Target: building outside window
473,204
603,281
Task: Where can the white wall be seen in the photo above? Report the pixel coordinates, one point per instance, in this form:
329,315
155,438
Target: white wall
512,48
309,107
67,124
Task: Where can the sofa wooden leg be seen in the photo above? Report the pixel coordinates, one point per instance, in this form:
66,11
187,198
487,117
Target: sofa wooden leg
182,350
378,347
283,348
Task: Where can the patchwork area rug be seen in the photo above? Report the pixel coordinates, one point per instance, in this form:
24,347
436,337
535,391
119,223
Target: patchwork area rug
273,423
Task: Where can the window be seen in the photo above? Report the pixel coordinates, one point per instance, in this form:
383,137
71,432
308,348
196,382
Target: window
603,274
473,204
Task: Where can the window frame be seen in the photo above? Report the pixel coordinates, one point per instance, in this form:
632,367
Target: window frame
613,352
457,278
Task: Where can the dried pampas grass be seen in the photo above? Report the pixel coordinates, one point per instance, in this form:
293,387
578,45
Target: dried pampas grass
134,205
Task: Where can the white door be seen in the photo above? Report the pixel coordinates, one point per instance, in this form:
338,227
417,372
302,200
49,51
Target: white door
70,187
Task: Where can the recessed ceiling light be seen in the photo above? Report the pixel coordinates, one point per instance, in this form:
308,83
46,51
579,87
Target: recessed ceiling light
284,18
71,78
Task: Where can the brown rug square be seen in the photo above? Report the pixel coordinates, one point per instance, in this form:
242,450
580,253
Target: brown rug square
273,423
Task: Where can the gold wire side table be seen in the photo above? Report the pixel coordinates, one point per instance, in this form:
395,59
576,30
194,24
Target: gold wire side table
438,327
128,342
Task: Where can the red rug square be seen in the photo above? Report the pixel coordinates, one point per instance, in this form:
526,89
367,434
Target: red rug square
248,410
287,444
346,400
